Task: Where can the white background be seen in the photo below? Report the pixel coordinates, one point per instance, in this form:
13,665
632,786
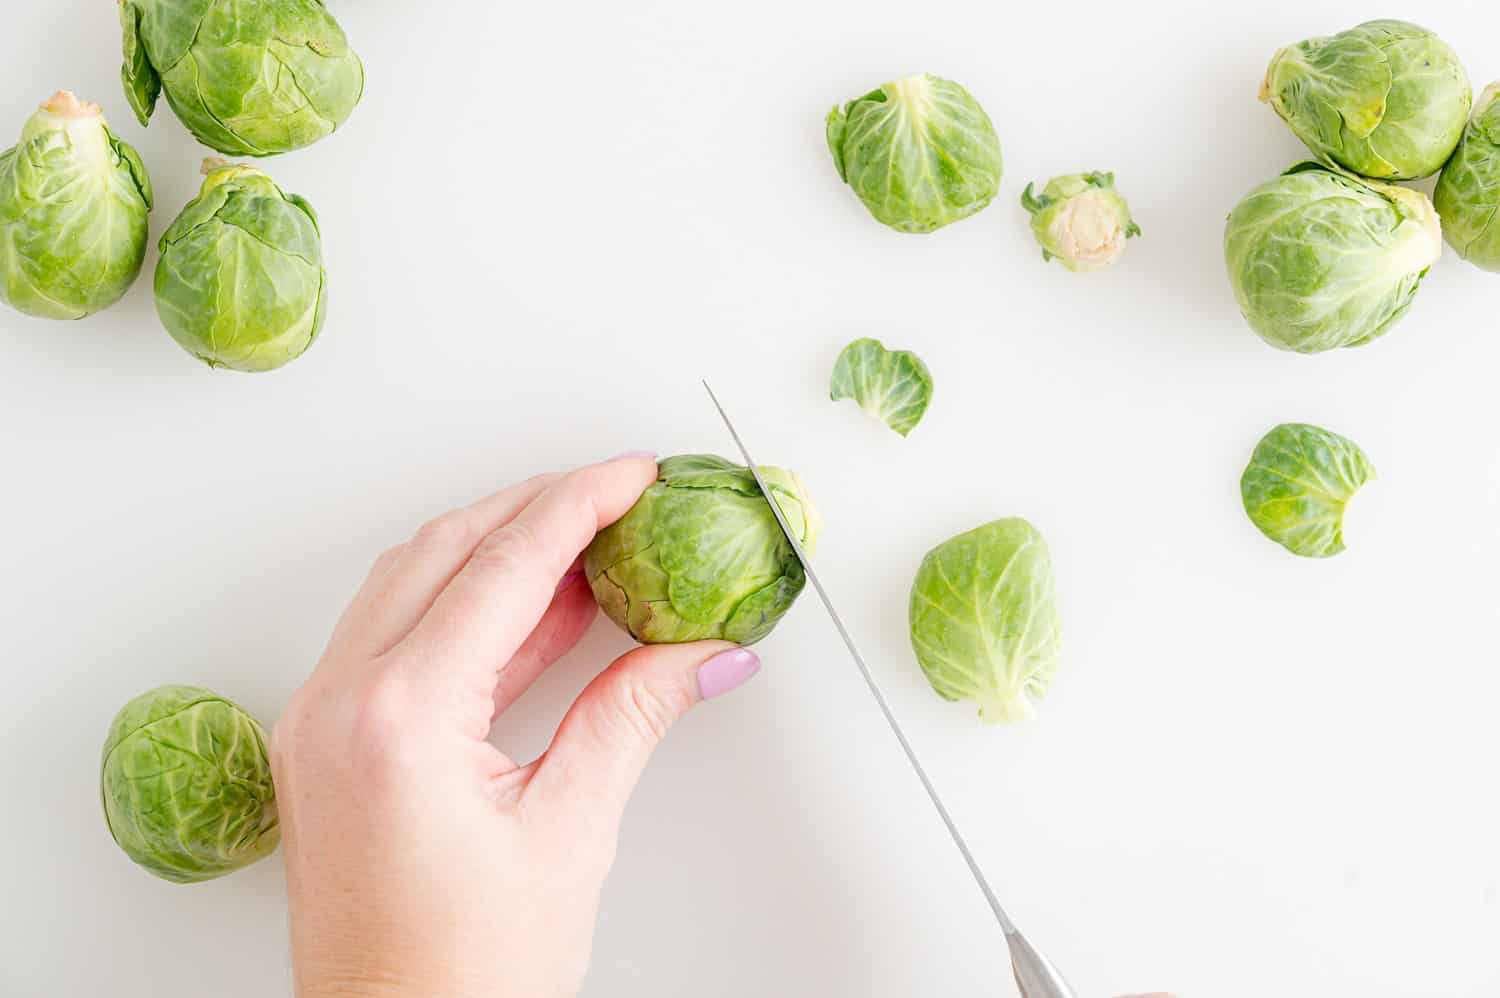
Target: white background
1255,774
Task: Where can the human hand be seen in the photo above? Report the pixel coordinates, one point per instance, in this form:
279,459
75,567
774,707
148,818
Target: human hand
420,860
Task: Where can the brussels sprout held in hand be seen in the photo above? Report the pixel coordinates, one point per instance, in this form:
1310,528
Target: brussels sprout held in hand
1320,259
984,620
247,77
240,283
186,784
73,207
1468,191
1386,99
919,152
1297,485
700,555
1081,220
893,386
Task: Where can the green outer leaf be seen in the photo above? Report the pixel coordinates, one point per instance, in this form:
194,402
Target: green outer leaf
1467,196
1297,485
893,386
74,201
700,554
920,152
185,780
984,621
240,282
247,79
1386,99
1320,259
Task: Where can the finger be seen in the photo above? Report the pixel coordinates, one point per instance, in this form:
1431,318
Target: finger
427,562
608,735
563,625
349,622
481,618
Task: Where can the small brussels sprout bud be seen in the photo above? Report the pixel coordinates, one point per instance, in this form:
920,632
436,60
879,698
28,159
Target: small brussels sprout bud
73,207
1297,485
920,152
1081,220
247,79
1386,99
1468,190
1320,259
240,283
700,554
984,621
186,783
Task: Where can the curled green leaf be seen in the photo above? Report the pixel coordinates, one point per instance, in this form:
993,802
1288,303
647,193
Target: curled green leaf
1299,482
893,386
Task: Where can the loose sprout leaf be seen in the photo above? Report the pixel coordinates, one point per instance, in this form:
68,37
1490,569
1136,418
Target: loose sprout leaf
1299,482
1386,99
893,386
984,621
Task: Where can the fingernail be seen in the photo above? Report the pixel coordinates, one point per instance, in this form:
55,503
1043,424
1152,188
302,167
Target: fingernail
633,453
726,671
571,576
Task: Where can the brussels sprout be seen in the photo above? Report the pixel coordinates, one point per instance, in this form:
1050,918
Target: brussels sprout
984,619
247,77
1386,99
1320,259
919,152
1297,484
1081,220
73,206
240,282
700,555
1468,190
893,386
186,784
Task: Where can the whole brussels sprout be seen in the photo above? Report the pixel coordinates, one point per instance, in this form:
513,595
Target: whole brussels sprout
1468,190
1386,99
240,282
73,207
984,621
1298,483
919,152
1081,220
1320,259
700,554
186,784
247,77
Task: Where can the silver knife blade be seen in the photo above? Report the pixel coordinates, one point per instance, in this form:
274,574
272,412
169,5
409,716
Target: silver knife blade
1035,975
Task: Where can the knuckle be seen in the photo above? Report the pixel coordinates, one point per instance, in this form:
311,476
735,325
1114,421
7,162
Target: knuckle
644,711
444,532
380,720
515,545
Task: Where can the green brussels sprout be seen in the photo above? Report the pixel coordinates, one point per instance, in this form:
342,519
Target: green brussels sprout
893,386
186,784
1298,483
700,555
240,282
1081,220
73,207
919,152
1468,190
984,620
1386,99
247,77
1320,259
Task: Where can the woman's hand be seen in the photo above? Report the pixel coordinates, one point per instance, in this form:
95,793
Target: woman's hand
420,860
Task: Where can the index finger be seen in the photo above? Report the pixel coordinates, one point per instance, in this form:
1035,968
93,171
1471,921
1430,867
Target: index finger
484,614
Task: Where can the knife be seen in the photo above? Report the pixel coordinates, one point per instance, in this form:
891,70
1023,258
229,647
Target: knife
1036,977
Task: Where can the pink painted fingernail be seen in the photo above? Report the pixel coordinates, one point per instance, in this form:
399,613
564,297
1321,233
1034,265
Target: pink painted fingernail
633,453
571,576
726,671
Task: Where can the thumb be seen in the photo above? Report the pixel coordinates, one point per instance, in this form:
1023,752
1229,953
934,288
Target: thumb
607,737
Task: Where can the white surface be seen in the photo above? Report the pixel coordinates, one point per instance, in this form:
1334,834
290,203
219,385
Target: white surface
1255,775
